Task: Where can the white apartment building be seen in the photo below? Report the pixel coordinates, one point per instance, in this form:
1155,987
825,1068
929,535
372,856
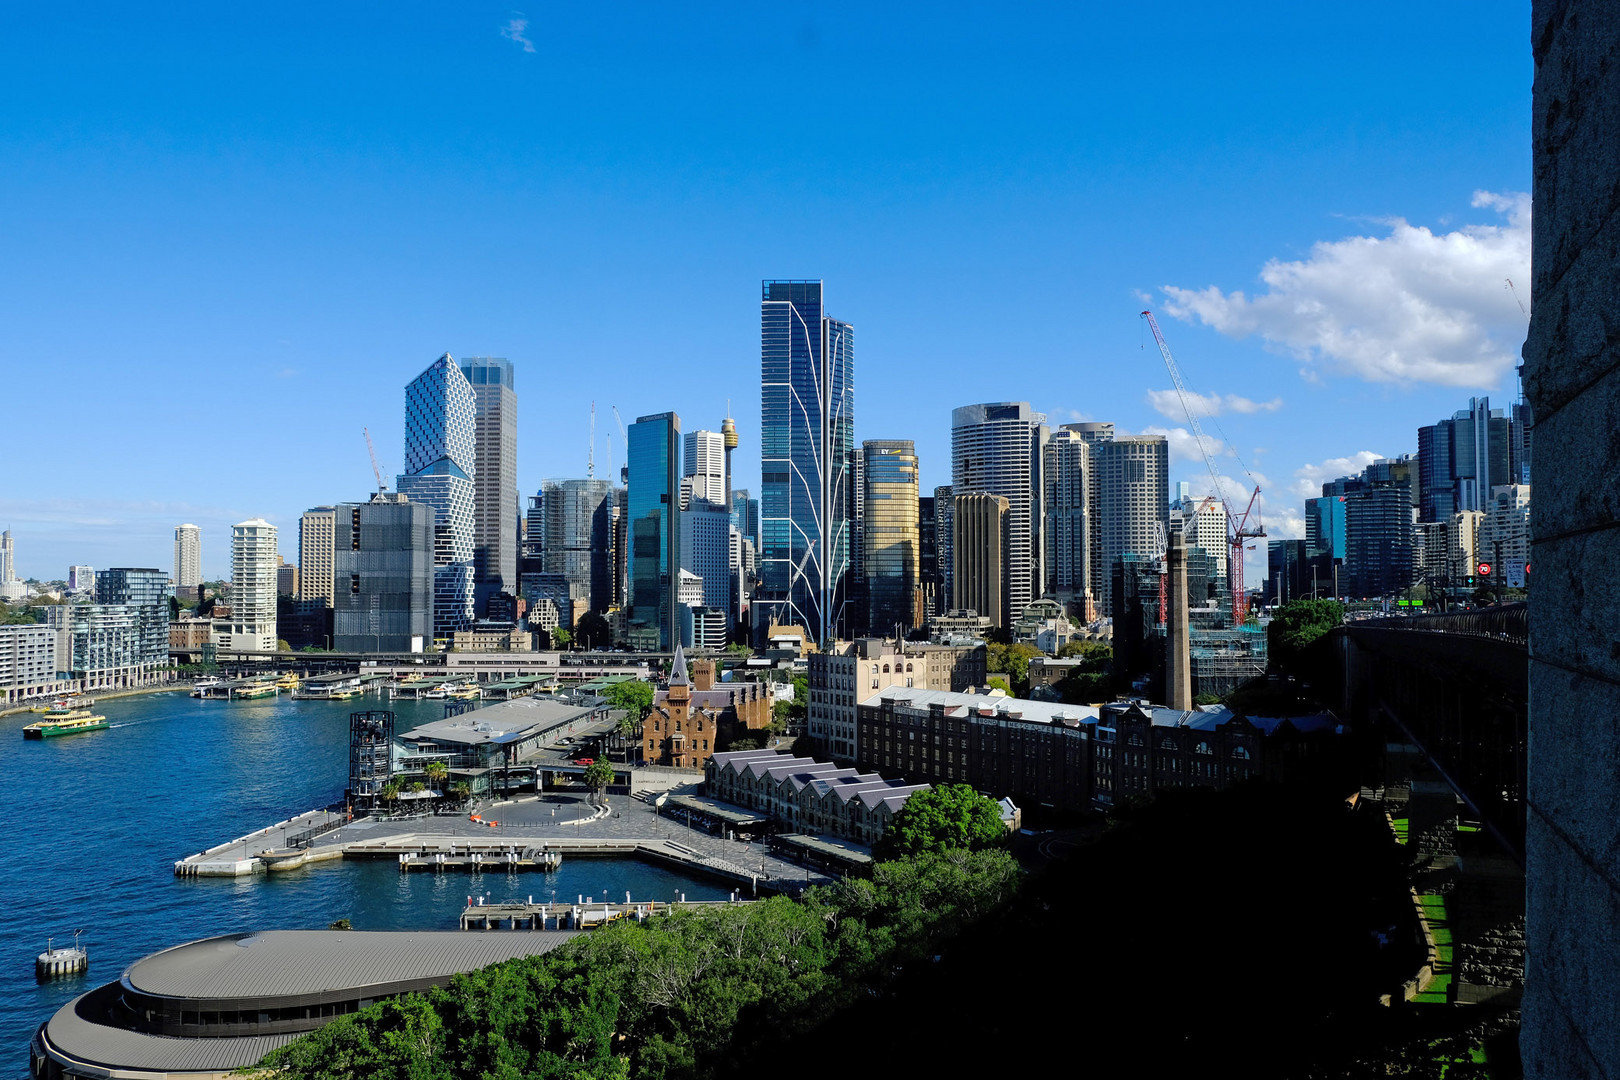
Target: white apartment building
27,661
254,560
187,556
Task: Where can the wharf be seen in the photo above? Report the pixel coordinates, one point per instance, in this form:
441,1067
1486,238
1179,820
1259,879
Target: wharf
530,832
587,914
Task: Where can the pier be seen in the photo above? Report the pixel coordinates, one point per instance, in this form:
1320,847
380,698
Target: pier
587,913
532,835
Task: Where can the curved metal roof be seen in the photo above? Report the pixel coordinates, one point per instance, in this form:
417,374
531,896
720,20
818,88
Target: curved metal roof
293,963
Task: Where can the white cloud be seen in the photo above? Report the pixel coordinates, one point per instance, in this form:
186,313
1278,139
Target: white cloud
1184,446
1308,479
1412,306
513,31
1168,404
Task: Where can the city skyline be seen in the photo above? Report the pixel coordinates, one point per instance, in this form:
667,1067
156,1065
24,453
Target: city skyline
1041,213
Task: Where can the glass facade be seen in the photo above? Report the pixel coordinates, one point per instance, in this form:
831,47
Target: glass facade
890,545
653,499
577,538
440,464
807,439
148,591
495,506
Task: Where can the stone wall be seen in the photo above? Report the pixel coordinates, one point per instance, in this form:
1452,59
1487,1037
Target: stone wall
1572,378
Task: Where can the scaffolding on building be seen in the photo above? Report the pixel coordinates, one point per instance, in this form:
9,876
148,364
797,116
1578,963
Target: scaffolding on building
1223,660
371,756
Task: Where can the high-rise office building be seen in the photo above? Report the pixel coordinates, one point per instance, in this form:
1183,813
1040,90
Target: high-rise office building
576,520
1204,525
383,565
891,549
81,578
653,503
944,545
1324,526
1067,476
979,547
187,556
807,436
997,448
315,547
928,554
1379,511
705,553
1132,503
254,560
495,502
1504,534
8,558
440,456
1461,459
704,458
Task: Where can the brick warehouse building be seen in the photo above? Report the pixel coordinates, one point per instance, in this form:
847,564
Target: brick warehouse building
693,716
1073,757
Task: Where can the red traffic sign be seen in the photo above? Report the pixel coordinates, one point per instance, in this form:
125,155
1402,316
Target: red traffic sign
1484,569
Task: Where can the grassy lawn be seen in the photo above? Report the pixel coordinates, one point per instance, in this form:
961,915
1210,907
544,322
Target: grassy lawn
1439,989
1400,825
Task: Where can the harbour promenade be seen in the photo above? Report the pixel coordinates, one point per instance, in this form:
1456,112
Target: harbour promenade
509,838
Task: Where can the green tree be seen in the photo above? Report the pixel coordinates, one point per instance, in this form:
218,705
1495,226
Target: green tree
561,639
941,818
801,698
1094,652
460,789
341,924
598,775
390,792
633,696
14,615
437,773
592,631
999,682
1296,626
282,646
1011,661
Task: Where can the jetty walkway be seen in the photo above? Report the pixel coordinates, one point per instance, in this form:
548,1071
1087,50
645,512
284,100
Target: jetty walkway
515,836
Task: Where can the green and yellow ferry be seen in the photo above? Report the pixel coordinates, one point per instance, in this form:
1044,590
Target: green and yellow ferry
65,721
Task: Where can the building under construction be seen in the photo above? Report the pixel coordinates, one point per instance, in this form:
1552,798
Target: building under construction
1223,660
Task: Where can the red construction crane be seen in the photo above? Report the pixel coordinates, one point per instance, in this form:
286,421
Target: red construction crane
1238,530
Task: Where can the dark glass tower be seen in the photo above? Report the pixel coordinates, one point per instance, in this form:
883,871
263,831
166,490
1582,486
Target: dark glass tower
807,441
654,497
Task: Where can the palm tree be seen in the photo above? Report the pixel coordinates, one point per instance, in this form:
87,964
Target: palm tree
437,773
390,792
461,790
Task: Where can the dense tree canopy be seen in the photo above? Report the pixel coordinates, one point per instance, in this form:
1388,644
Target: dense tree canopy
686,995
942,817
1296,625
633,696
1011,661
592,631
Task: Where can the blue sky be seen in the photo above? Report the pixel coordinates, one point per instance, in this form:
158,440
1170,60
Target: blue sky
230,236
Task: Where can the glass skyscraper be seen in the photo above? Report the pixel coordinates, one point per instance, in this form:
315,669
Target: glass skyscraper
440,467
495,503
807,440
653,501
890,545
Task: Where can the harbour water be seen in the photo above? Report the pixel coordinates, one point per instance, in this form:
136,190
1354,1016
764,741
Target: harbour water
94,823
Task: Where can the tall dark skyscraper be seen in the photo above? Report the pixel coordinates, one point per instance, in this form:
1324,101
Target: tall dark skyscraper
654,500
807,442
1461,459
495,503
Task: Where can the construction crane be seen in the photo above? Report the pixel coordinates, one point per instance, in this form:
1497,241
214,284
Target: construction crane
376,470
590,457
1238,530
623,435
1161,544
